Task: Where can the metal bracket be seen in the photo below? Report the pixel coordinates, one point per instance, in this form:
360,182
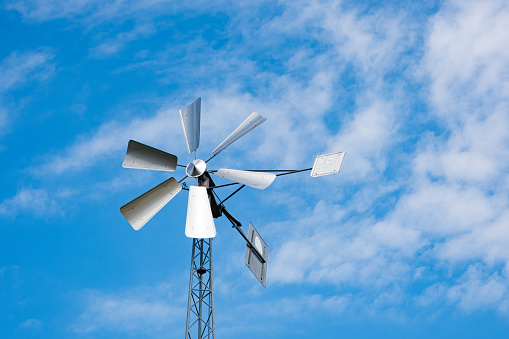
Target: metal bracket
236,224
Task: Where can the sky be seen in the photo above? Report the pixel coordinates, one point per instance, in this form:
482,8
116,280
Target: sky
409,240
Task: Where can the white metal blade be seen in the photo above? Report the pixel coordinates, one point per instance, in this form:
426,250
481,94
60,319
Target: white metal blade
139,211
141,156
199,222
190,116
259,180
250,123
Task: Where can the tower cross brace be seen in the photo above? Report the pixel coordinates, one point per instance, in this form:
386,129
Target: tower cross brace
200,307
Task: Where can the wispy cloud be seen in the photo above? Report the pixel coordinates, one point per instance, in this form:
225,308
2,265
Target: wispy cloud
111,138
31,323
142,311
96,11
478,288
367,137
114,45
454,197
465,57
18,68
247,317
50,9
29,200
3,122
346,254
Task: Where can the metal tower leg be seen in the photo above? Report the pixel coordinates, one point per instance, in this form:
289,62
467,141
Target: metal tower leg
200,307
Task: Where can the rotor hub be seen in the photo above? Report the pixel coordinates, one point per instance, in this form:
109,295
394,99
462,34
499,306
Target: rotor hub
196,168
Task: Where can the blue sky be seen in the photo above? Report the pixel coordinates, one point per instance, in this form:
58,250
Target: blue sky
408,241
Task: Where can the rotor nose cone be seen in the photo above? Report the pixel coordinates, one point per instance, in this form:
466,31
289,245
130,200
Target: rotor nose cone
196,168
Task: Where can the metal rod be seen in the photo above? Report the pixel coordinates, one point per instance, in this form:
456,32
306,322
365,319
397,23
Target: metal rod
258,170
183,179
289,171
236,224
179,165
231,195
219,186
211,157
249,244
296,171
230,217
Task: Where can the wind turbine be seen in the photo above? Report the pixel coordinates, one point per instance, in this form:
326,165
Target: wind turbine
203,206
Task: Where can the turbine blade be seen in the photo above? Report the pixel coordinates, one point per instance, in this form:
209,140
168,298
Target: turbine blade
259,180
199,222
190,116
141,156
139,211
249,124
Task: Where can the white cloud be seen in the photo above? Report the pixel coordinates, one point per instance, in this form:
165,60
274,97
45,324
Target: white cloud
31,323
114,45
478,290
437,209
460,184
486,241
96,11
247,317
142,311
474,152
367,139
466,57
51,9
3,122
453,202
459,198
28,200
344,253
370,41
18,68
160,130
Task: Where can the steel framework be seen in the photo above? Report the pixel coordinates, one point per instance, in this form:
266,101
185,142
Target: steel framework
200,307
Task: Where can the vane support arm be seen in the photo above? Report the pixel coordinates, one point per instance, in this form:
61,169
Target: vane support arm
231,195
294,171
236,224
230,217
280,172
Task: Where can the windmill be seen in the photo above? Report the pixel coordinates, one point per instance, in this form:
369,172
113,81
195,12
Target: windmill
204,205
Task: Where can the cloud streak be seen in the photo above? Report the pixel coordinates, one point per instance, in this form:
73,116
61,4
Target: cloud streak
19,68
139,311
28,200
